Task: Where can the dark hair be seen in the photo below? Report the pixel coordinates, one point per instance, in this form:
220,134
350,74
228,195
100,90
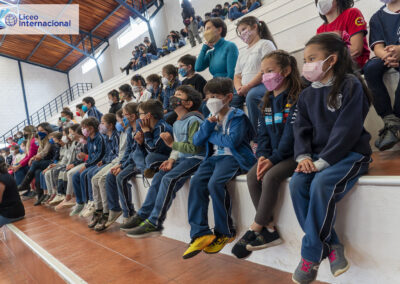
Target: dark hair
251,2
154,107
332,43
126,89
146,40
56,135
114,93
3,166
79,106
74,127
342,5
139,78
89,100
219,85
110,118
218,6
262,28
66,111
154,78
79,130
91,122
284,60
119,114
46,126
188,60
171,70
66,130
193,96
132,108
218,23
15,147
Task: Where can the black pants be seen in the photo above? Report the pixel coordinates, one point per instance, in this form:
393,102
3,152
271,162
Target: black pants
35,170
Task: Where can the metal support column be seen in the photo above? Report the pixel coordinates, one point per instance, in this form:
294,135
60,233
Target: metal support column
95,59
23,92
69,87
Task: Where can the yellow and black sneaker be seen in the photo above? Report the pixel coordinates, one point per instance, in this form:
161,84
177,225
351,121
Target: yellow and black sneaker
197,245
218,244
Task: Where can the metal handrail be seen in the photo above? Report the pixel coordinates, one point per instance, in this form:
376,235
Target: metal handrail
49,109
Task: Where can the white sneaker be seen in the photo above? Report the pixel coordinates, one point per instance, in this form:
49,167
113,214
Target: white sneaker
90,210
84,209
57,199
76,210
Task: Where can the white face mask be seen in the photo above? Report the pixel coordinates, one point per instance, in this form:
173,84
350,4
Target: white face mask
136,89
215,105
64,139
164,81
324,6
110,102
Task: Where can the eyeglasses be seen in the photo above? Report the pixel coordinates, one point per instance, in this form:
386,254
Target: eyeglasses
144,113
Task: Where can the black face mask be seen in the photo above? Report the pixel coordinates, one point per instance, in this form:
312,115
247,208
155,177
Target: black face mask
174,102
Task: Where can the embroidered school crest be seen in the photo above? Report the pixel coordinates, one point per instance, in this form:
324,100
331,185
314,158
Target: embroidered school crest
360,21
338,104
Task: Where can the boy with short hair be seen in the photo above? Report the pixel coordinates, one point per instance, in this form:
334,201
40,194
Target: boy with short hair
183,161
96,151
226,134
186,69
89,108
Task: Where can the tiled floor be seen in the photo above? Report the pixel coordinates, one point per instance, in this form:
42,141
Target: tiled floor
111,257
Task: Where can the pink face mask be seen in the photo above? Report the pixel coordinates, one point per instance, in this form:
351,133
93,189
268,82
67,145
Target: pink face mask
313,72
272,81
103,129
246,36
85,132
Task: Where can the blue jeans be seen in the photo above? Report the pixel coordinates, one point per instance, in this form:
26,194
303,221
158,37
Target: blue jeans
5,220
314,198
163,189
210,180
154,160
37,167
20,174
81,190
373,72
117,187
252,99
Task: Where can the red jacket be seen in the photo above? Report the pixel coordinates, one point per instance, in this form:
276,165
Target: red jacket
33,149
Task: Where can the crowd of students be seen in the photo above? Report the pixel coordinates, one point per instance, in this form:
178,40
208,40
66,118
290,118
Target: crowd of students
306,125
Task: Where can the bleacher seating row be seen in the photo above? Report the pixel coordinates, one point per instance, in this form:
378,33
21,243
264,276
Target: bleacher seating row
366,216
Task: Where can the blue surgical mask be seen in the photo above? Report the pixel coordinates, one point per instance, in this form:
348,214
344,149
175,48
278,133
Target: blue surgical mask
42,135
119,127
84,108
51,141
126,121
183,72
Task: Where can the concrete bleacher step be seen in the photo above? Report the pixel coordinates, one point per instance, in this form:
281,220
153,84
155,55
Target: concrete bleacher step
111,257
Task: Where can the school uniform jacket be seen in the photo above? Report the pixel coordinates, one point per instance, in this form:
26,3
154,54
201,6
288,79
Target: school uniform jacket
96,150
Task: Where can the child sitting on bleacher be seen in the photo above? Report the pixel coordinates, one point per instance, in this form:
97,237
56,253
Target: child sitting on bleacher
90,109
96,151
340,17
132,62
155,87
170,81
226,134
182,163
126,94
331,147
152,124
385,42
113,101
139,89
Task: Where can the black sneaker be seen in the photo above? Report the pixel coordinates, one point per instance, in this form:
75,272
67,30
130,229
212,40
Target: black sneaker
264,239
145,230
39,200
239,249
133,222
387,138
95,219
101,225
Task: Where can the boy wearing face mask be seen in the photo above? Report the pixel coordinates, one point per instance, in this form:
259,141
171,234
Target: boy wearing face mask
171,81
90,109
186,69
113,101
174,172
96,151
226,134
139,89
340,17
385,42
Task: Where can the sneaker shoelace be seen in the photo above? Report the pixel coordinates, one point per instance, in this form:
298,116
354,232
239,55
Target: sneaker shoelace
306,266
332,256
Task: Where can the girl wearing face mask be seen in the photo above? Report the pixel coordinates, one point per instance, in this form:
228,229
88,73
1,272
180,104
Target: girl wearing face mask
155,87
217,54
248,81
340,16
331,147
126,94
171,81
39,162
275,149
139,89
113,101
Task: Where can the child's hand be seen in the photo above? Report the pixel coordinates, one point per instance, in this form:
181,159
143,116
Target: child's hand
306,166
145,125
212,119
99,164
167,138
139,138
263,166
81,156
70,166
165,111
393,51
52,166
81,170
167,165
116,167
